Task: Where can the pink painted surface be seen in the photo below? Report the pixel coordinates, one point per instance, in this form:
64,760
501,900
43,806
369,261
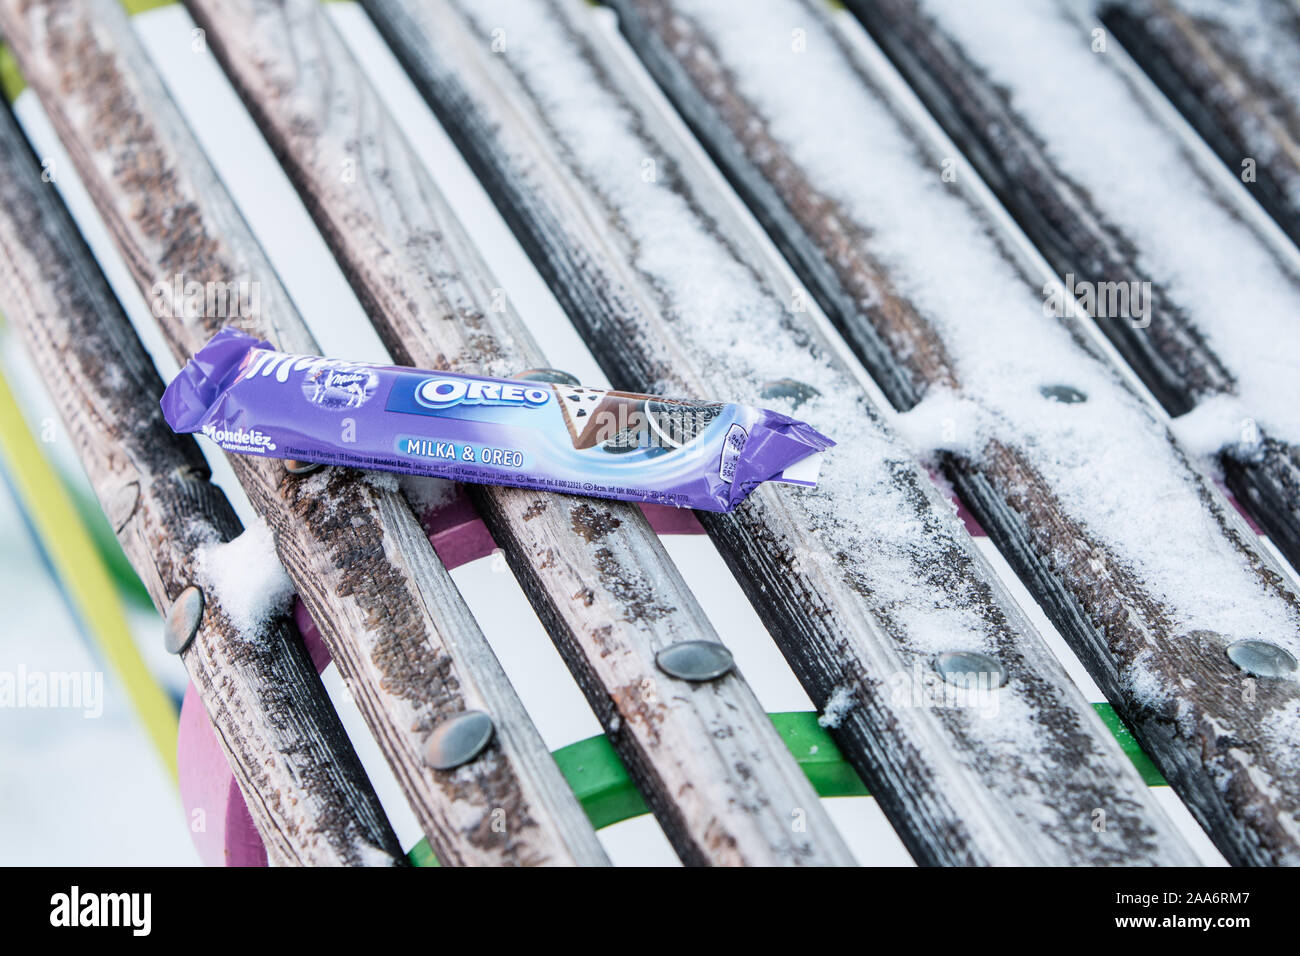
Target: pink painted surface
1240,510
973,527
228,837
666,520
220,825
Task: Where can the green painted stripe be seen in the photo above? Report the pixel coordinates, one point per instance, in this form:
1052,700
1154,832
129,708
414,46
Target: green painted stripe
604,788
600,781
815,750
421,855
1128,743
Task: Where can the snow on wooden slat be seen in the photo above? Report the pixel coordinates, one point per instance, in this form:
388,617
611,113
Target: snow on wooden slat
273,718
711,765
1142,564
861,582
1233,69
391,616
1116,198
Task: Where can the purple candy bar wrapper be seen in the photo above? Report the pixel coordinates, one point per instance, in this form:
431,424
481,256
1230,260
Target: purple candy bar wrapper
539,434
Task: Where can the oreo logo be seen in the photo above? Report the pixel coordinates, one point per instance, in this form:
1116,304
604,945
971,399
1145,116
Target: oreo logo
445,392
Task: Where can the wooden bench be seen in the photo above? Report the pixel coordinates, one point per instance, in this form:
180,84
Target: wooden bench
736,231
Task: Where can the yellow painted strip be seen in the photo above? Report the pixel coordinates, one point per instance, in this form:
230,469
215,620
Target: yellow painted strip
144,6
11,78
82,573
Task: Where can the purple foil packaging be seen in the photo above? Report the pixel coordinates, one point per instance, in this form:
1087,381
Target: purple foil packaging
545,435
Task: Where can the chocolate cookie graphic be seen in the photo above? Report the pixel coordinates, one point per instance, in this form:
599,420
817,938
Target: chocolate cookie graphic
678,423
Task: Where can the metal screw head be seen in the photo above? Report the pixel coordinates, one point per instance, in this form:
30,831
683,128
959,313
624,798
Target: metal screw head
1065,394
182,621
970,670
695,660
1261,658
122,506
793,391
300,467
553,375
458,739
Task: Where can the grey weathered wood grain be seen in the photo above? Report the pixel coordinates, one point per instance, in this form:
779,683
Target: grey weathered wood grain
816,566
1074,234
397,628
1241,110
305,789
1237,780
707,758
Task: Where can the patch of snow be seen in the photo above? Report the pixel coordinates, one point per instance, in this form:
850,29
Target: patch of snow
246,578
1138,174
427,494
840,703
1108,459
720,315
374,856
875,521
1264,34
864,506
944,421
382,480
1144,685
1217,423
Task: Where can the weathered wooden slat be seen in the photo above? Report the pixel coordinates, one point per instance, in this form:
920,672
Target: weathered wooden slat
709,761
1074,228
1233,70
305,788
863,582
396,626
1064,466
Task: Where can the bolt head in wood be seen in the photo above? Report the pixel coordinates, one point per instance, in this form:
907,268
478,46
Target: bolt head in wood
970,670
1261,658
695,660
1065,394
121,507
300,467
182,621
789,389
458,739
552,375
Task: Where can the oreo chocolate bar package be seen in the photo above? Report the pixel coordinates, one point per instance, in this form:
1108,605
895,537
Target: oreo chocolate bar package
536,432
